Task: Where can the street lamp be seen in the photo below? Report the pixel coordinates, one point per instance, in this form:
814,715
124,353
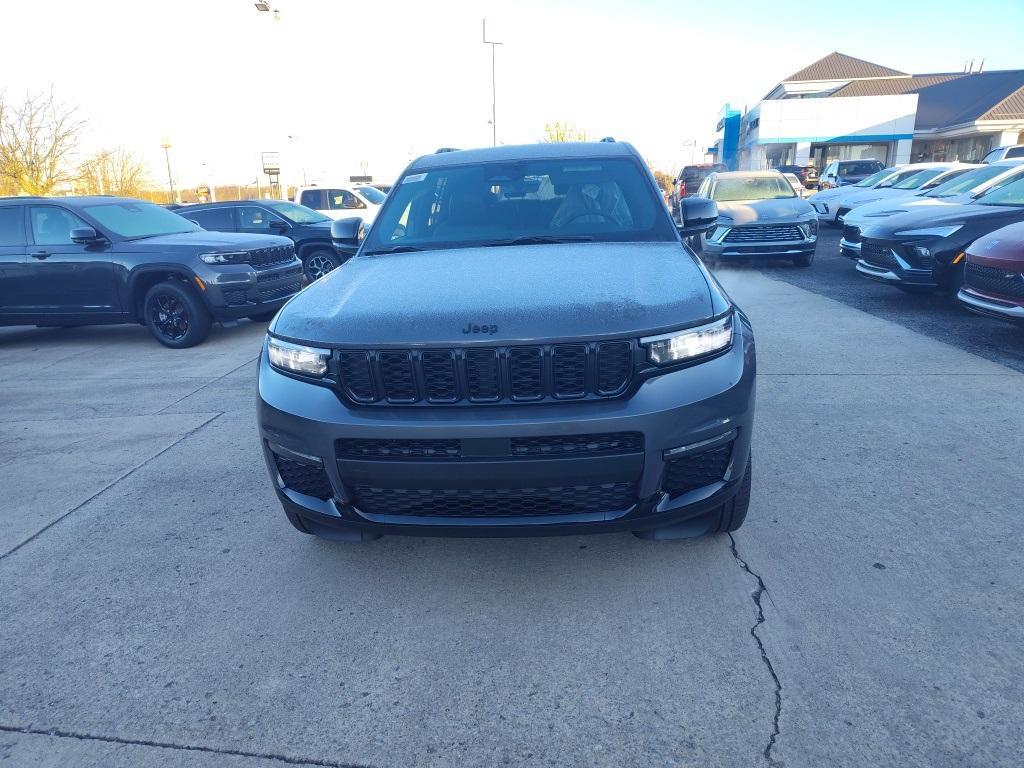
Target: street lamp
293,139
494,95
170,179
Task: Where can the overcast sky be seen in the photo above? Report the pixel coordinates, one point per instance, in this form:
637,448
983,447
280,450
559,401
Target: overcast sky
371,83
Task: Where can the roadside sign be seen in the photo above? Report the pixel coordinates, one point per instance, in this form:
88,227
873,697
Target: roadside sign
271,163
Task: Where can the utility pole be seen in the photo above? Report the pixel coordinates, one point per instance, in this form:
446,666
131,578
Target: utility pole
170,179
494,91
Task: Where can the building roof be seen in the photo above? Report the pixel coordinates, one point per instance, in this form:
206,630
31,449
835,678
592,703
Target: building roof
839,66
995,95
894,86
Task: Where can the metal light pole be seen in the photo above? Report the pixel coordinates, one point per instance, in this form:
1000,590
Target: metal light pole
170,179
494,93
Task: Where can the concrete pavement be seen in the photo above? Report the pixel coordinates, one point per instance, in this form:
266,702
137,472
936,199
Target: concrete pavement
157,609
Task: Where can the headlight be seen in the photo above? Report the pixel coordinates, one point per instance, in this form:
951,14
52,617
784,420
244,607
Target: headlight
222,258
295,358
931,231
921,251
808,228
689,344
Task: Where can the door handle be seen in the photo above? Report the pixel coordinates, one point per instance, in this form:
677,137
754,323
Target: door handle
40,254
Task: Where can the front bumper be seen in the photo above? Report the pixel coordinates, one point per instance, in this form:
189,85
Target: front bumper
999,307
687,408
242,290
787,249
849,249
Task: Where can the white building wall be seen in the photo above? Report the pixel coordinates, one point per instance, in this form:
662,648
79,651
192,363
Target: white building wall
863,119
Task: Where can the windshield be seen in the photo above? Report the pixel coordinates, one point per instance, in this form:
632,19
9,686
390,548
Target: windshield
137,220
874,178
372,194
1010,194
297,214
915,180
897,177
966,182
731,188
540,201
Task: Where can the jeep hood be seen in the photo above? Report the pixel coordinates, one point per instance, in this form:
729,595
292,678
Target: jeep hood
215,241
529,292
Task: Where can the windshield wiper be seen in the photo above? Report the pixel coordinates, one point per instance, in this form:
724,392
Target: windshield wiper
540,240
394,249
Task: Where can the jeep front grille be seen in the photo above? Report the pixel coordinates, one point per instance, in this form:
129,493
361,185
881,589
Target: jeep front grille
487,375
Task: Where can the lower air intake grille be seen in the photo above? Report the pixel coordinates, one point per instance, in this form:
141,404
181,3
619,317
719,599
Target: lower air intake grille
495,502
351,448
694,471
1000,282
579,445
878,254
301,477
851,234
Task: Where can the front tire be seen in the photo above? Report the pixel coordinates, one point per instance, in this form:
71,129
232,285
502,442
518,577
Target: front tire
319,263
732,514
175,315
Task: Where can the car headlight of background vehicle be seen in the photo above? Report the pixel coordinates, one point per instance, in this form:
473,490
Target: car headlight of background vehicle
222,258
809,228
296,358
931,231
680,346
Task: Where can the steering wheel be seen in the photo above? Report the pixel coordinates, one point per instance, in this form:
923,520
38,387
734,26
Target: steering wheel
581,214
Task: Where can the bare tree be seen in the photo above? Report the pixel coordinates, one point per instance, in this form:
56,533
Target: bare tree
112,172
37,138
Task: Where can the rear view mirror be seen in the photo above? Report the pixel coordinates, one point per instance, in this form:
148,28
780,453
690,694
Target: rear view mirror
348,232
697,214
82,235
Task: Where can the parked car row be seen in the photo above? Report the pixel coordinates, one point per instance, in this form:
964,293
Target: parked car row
962,235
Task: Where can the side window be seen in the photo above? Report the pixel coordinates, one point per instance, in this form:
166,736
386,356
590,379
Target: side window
12,225
342,199
1015,152
313,198
52,225
213,219
251,217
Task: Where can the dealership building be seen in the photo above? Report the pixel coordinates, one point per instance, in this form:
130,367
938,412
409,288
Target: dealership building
844,108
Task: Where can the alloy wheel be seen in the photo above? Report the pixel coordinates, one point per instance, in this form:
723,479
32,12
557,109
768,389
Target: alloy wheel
318,266
169,316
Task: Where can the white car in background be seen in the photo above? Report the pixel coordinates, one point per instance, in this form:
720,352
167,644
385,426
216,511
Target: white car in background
952,191
343,201
926,176
826,202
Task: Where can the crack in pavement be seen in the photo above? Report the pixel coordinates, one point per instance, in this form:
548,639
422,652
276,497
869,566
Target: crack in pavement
107,487
204,386
756,597
287,759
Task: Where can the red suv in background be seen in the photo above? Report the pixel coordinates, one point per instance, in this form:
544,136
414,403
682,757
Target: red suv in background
994,274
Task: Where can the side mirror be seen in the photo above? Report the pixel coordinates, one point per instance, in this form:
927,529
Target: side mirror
280,226
697,214
84,235
348,233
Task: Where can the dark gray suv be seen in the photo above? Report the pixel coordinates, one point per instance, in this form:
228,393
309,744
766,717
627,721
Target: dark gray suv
522,345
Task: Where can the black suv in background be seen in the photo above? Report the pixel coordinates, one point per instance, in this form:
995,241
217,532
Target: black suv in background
100,260
522,345
309,230
689,180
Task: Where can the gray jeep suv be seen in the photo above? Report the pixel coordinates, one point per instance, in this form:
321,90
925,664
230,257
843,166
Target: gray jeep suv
523,344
